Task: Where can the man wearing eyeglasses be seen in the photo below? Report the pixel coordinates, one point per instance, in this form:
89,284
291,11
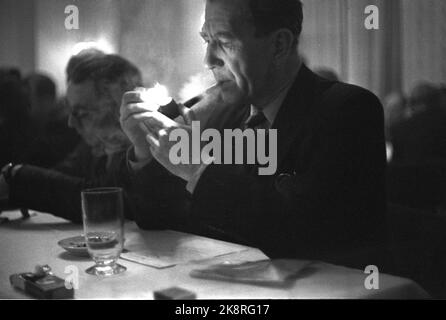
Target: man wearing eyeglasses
96,83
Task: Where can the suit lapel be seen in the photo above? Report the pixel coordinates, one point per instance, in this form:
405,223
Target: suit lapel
293,111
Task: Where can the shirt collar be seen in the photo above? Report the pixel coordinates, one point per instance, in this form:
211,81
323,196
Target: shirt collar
271,109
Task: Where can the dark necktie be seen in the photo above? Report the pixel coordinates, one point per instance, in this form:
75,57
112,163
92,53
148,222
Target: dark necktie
255,120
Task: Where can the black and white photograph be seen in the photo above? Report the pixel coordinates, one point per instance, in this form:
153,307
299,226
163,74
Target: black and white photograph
225,154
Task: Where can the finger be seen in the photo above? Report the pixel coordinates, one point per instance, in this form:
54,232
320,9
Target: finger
162,135
133,109
144,128
153,152
153,141
153,125
160,121
150,129
187,113
132,97
158,156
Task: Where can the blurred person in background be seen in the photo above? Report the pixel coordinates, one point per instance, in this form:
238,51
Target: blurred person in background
14,116
52,140
395,111
96,83
421,138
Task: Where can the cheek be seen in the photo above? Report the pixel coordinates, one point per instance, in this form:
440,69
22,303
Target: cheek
86,125
241,74
87,128
249,67
107,125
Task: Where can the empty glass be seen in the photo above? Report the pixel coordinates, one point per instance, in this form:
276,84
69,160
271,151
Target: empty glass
102,212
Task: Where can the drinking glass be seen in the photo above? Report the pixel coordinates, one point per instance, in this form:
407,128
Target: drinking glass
102,213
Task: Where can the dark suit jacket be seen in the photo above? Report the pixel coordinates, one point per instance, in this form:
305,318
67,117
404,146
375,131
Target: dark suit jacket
58,190
326,200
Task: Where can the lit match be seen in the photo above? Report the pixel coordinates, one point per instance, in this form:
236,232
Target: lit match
154,97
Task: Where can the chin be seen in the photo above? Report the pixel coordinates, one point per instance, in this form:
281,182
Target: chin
91,141
231,94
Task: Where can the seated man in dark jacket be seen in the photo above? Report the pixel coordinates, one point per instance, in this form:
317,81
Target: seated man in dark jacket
95,88
326,199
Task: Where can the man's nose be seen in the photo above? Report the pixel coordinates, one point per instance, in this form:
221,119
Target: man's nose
211,58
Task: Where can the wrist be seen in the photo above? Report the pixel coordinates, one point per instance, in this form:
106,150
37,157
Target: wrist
9,171
15,169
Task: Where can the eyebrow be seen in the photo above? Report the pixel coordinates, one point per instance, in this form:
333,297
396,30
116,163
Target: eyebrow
225,34
221,34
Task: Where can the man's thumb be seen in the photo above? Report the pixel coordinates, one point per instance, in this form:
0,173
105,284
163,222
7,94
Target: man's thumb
187,114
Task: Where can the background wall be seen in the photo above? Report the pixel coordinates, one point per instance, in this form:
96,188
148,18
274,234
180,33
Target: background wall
99,20
424,41
161,37
410,45
17,34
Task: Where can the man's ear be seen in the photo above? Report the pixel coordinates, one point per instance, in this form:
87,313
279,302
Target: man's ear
283,45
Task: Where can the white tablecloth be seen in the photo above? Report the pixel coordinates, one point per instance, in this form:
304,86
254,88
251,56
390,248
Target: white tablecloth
24,244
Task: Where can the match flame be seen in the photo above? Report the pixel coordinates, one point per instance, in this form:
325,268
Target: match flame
156,96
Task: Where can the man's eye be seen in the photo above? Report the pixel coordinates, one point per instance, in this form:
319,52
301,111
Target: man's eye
226,45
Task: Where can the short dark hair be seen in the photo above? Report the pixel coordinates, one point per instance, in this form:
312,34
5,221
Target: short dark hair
14,100
272,15
106,70
426,93
108,67
42,85
78,58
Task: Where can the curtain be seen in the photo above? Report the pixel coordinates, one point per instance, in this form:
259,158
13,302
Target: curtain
17,34
335,37
424,42
409,46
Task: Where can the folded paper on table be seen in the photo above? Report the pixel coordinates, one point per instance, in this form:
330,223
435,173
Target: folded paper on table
264,272
162,249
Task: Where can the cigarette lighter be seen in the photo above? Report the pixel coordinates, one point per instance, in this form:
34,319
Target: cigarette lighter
42,284
174,293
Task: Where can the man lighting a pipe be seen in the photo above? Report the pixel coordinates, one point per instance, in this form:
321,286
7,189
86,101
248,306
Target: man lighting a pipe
326,199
